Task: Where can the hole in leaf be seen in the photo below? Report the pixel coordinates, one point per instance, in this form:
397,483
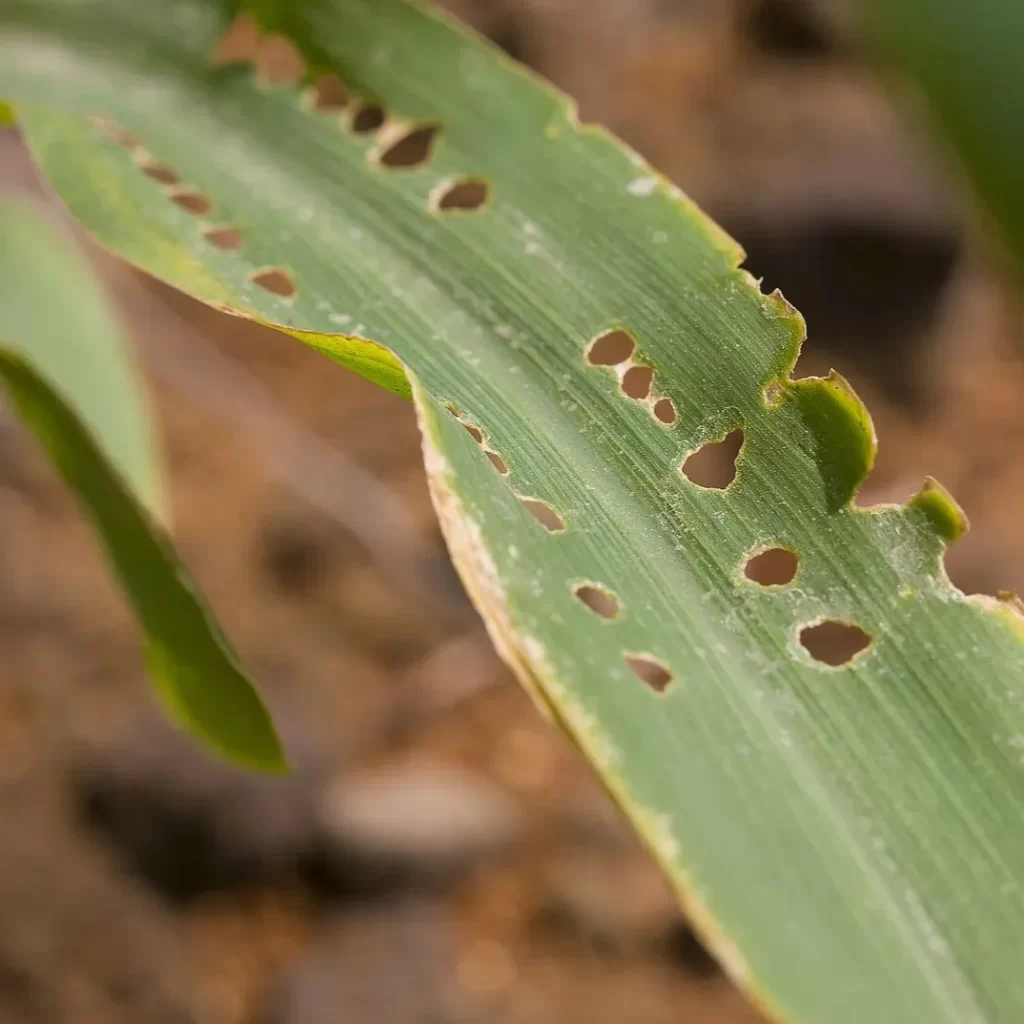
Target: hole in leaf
369,117
544,514
773,567
474,432
278,61
611,349
665,411
112,131
412,149
329,93
274,280
714,465
161,173
497,461
650,671
833,642
239,43
600,601
466,194
228,239
637,381
194,202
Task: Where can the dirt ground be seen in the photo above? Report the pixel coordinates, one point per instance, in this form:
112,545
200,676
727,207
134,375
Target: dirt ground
440,854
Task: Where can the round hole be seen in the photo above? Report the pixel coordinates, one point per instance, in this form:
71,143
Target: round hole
637,381
369,117
611,349
329,94
598,599
665,411
773,567
650,671
834,642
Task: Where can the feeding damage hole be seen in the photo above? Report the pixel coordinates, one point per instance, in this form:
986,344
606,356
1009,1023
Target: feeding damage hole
773,567
113,132
412,149
226,239
833,642
544,514
611,349
600,601
274,280
665,411
637,382
192,201
368,118
496,461
328,94
161,173
477,434
650,671
714,465
466,194
238,44
278,62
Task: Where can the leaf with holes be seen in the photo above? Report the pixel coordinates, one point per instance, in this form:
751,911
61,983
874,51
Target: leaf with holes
68,379
823,748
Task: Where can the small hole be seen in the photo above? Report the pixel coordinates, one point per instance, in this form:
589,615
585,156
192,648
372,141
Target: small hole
162,173
650,671
194,202
665,411
497,461
227,239
544,514
610,349
276,281
369,117
637,381
412,149
474,432
329,94
773,567
278,61
239,43
467,194
599,600
714,465
115,133
833,642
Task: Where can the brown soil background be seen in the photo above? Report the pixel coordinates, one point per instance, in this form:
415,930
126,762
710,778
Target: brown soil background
441,855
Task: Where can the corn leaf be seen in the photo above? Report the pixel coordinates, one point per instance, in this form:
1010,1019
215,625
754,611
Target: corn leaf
842,824
68,378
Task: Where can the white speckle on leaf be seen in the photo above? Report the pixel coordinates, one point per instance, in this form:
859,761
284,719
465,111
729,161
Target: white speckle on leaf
642,186
340,319
503,330
659,237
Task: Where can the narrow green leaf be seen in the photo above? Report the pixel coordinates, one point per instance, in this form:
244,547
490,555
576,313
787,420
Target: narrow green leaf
848,839
68,378
966,57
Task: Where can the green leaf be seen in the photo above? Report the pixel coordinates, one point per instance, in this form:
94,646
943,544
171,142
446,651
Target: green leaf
69,380
848,839
966,58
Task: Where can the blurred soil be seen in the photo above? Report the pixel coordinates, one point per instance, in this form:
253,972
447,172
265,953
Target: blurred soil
440,854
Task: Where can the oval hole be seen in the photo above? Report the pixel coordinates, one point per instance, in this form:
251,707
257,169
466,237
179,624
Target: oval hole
598,599
412,149
368,118
467,194
278,61
227,239
714,465
665,411
274,280
239,43
611,349
112,131
474,432
497,461
161,173
637,381
650,671
544,514
834,642
193,202
329,94
774,567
